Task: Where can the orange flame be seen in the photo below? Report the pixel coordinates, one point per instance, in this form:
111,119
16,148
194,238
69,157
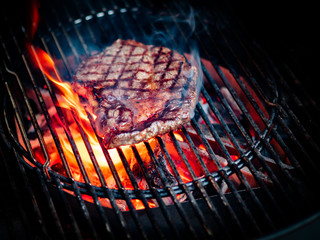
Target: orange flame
69,100
47,66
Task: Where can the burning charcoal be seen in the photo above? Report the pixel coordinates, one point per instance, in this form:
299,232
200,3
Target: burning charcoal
122,205
164,167
137,172
152,168
249,177
41,120
225,92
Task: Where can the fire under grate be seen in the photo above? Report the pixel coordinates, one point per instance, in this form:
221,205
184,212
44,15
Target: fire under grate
241,155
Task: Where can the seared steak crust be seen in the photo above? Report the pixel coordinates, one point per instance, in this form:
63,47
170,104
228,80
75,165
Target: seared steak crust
136,91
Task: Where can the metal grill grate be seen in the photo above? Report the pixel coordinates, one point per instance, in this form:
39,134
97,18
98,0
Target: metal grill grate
269,185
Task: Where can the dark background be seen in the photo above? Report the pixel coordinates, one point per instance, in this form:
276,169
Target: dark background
288,30
281,25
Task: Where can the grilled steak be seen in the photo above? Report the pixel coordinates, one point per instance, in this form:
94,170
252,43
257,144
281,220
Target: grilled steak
136,91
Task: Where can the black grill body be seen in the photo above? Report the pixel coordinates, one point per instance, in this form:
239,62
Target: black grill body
272,185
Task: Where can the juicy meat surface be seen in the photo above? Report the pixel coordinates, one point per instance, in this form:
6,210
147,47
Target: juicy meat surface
136,91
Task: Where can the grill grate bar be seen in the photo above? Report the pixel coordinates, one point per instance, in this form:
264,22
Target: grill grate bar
306,135
221,176
90,151
85,212
24,134
18,118
88,27
246,159
251,144
235,77
101,178
28,191
300,147
109,193
69,214
171,192
286,149
226,81
234,167
117,212
29,194
8,214
119,184
261,159
66,36
181,183
31,114
293,182
175,23
226,105
155,193
49,203
298,184
299,126
200,185
75,187
79,36
224,176
139,193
